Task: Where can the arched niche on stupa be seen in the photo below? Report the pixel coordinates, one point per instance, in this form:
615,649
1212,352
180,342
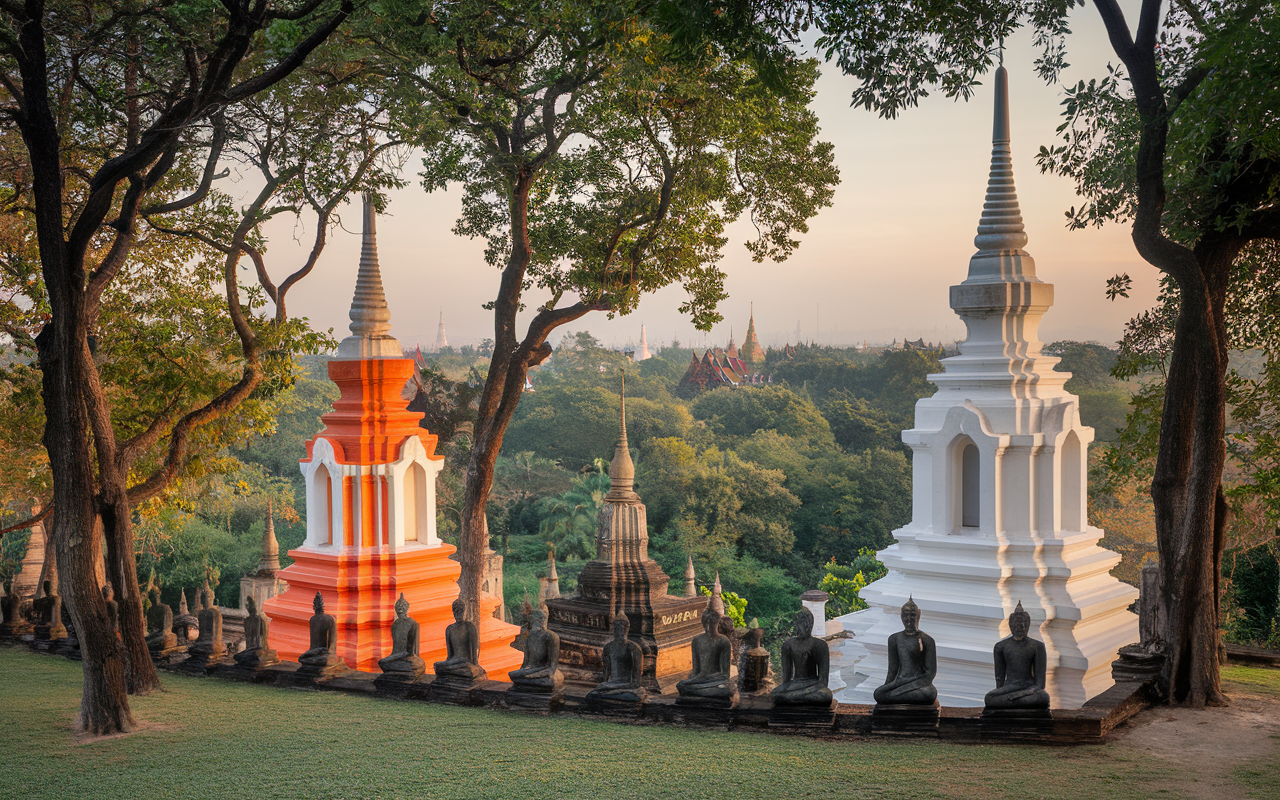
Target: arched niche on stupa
412,501
322,475
966,498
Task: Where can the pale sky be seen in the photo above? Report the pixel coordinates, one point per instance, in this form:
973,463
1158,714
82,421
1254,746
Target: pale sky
876,265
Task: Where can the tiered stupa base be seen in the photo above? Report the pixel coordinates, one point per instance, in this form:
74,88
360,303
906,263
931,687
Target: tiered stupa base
965,587
360,588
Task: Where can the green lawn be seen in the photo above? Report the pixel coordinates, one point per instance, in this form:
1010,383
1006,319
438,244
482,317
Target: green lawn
210,738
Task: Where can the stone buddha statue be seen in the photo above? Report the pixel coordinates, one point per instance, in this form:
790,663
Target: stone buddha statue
160,634
913,664
403,659
1021,664
48,611
323,643
806,664
11,606
113,608
623,663
709,682
755,676
539,672
257,628
462,649
210,642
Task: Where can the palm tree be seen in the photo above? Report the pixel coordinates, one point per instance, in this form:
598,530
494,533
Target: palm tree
569,519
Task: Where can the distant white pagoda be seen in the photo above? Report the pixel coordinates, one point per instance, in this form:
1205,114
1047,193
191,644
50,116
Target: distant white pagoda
643,351
999,493
442,341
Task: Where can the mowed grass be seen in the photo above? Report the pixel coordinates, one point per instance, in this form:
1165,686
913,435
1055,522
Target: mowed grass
210,738
1261,775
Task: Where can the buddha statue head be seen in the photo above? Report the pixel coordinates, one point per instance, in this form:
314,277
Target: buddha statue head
251,606
1019,623
538,620
910,616
710,620
621,627
318,603
804,623
459,610
402,607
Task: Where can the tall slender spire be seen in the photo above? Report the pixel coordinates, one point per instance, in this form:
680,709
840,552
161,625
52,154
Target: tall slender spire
1001,235
643,353
622,471
370,317
442,341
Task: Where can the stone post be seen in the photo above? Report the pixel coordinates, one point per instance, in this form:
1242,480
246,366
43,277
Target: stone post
816,601
1149,605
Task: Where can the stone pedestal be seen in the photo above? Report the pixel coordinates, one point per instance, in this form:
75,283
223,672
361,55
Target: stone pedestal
459,691
616,705
315,673
535,701
1135,663
1013,723
257,658
803,717
398,684
904,719
164,656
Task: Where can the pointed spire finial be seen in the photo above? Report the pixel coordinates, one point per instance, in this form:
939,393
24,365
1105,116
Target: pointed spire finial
690,579
622,471
269,563
370,317
1001,234
717,598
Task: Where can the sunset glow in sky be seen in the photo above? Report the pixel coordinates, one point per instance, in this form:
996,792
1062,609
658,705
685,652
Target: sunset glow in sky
876,265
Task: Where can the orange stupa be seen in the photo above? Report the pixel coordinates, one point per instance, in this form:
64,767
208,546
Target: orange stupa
371,508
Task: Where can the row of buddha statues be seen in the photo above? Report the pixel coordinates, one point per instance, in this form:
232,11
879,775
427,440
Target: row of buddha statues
1020,661
1020,667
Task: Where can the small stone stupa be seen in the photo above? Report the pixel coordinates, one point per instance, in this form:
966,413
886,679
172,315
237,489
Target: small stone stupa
263,584
1000,467
624,579
370,478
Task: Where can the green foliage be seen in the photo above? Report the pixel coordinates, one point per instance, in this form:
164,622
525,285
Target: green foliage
1253,596
844,582
735,607
737,414
569,519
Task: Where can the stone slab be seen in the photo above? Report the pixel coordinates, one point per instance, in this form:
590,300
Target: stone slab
814,718
898,720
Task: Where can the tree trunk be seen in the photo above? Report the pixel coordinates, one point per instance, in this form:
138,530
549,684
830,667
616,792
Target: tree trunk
1190,508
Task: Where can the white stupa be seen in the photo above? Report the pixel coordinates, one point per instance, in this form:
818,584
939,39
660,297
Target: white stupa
999,493
642,352
442,341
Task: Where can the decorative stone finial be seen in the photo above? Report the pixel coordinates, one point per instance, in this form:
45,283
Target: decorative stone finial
690,579
1001,235
370,318
269,564
717,601
622,472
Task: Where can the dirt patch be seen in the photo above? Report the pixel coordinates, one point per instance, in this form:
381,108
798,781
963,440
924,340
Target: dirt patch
1207,744
80,737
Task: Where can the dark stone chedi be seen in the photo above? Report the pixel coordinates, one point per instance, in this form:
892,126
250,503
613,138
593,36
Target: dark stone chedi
623,579
710,682
1020,669
257,651
623,664
403,662
321,660
806,665
160,635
